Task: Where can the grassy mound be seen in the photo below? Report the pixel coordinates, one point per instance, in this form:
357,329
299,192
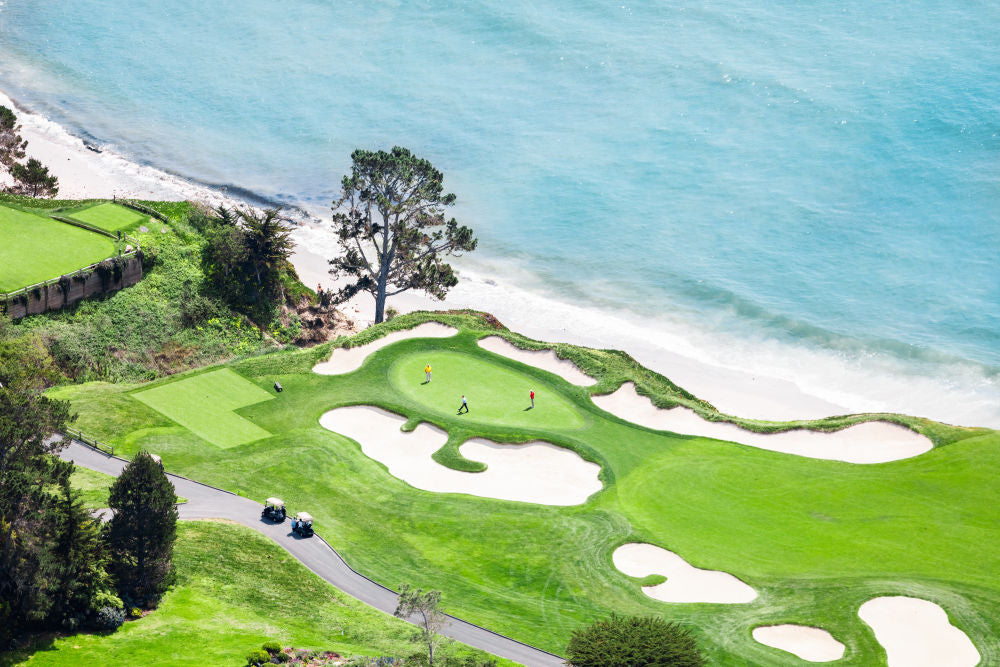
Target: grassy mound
235,589
815,538
35,248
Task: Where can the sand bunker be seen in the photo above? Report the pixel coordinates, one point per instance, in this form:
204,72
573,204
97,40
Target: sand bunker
810,644
346,360
547,360
685,583
871,442
536,472
917,633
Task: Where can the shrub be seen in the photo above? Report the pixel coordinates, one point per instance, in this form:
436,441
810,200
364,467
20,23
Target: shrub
280,658
258,657
634,640
135,612
109,618
271,646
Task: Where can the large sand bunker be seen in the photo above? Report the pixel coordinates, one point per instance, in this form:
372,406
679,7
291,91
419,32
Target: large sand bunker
685,583
917,633
348,359
536,472
811,644
547,360
870,442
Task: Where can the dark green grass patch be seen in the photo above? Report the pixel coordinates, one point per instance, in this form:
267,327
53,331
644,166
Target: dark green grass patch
235,589
814,538
34,248
205,404
109,217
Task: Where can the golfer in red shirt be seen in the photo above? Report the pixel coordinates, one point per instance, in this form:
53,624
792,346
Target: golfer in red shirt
532,396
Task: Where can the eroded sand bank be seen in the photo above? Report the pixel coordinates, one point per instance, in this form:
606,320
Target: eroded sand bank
917,633
535,472
685,583
349,359
870,442
547,360
811,644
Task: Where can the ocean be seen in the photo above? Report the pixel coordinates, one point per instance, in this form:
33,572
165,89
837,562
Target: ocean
810,190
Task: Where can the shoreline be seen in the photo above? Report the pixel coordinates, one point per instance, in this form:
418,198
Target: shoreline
752,379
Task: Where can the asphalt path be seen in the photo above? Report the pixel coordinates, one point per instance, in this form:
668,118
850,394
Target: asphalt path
207,502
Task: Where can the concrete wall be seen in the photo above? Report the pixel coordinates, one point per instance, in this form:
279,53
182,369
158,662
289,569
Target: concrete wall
51,297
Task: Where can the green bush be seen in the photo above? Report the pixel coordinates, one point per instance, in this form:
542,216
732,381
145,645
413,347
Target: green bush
135,612
271,646
636,641
258,657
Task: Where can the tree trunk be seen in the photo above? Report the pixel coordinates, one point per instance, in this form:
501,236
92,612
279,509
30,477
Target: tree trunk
380,305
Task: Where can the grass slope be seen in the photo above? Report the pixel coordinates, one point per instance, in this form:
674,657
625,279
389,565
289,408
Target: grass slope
109,217
815,538
235,589
35,248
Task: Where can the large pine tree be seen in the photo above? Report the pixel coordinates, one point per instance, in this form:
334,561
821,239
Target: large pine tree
141,534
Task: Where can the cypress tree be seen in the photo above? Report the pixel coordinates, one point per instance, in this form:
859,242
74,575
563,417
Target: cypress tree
141,534
634,641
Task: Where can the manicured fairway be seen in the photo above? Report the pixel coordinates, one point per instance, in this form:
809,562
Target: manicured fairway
495,393
204,404
814,538
109,217
35,248
235,589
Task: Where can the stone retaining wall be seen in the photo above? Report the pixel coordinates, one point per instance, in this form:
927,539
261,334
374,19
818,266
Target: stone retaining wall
72,288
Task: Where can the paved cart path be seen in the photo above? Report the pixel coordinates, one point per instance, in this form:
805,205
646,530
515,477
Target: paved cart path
206,502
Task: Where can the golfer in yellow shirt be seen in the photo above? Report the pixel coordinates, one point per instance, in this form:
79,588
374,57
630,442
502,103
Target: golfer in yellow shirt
427,372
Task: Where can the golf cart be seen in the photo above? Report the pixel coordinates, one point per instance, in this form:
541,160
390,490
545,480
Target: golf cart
157,459
274,510
302,524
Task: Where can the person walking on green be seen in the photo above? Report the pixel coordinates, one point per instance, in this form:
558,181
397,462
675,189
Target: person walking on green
465,405
427,373
532,397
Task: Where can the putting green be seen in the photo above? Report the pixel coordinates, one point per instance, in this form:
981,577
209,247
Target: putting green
34,248
495,393
109,217
204,404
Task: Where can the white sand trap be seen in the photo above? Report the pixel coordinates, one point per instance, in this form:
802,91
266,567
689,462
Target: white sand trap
870,442
685,583
917,633
536,472
812,644
348,359
547,360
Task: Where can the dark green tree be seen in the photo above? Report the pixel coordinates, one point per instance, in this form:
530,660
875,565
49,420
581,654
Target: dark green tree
11,144
246,258
34,179
141,535
269,245
391,226
633,641
75,564
421,608
25,362
27,472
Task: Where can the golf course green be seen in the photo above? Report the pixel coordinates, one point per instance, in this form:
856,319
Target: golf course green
109,217
35,248
814,538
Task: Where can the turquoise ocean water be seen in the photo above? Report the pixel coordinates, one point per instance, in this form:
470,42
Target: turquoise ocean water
818,175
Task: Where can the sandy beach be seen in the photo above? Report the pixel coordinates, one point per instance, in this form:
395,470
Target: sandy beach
85,173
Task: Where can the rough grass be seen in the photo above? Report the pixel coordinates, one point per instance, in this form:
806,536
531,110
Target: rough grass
35,248
109,217
815,538
235,589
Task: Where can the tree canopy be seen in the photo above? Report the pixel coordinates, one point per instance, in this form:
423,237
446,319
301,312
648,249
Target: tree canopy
11,144
34,179
391,225
634,641
142,533
421,608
